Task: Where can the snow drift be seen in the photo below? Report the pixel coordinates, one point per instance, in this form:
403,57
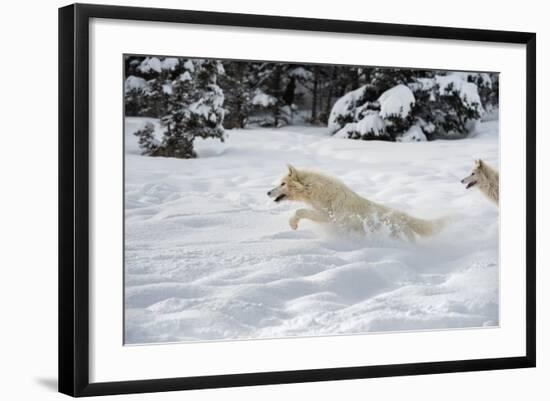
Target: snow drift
209,257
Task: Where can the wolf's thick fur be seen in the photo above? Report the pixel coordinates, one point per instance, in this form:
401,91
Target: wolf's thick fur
485,178
332,201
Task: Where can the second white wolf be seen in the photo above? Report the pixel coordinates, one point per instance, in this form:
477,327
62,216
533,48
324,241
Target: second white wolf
486,179
332,201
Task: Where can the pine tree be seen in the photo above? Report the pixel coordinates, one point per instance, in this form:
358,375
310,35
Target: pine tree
188,102
446,103
274,93
196,97
194,109
236,84
487,85
157,96
146,139
135,92
135,87
440,104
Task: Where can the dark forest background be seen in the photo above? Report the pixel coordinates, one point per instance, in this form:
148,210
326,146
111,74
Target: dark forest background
204,97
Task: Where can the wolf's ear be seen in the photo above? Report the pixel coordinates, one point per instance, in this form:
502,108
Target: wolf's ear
478,162
292,172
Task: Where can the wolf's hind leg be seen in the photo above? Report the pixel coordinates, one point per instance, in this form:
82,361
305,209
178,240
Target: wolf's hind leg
310,214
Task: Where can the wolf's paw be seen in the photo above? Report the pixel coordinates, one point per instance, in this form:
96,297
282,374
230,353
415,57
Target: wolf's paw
293,222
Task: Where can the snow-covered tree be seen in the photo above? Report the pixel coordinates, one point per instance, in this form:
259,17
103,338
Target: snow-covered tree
487,85
189,104
197,98
358,115
385,78
351,107
274,91
135,92
237,84
447,104
397,103
146,139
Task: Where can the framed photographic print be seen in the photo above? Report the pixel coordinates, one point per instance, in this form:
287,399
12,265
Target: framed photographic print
249,199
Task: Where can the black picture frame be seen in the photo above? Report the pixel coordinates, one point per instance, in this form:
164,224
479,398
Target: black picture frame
74,199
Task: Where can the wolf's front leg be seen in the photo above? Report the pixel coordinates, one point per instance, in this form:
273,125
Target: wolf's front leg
310,214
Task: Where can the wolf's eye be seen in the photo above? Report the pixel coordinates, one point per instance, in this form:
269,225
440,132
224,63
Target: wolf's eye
283,184
471,175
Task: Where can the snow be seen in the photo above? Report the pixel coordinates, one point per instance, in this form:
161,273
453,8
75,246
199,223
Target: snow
428,127
344,107
484,79
263,99
185,76
155,64
424,84
301,73
167,88
208,256
217,95
201,108
396,101
133,82
370,124
413,134
150,63
211,103
170,63
467,91
189,66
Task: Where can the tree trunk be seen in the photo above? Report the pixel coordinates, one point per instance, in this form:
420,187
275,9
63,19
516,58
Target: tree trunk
314,93
276,91
330,94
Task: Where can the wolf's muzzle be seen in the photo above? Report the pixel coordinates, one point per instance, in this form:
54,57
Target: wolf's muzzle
469,181
276,193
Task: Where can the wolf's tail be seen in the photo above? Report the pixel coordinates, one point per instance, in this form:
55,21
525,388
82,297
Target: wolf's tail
427,228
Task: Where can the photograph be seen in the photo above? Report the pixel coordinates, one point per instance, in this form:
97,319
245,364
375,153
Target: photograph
277,199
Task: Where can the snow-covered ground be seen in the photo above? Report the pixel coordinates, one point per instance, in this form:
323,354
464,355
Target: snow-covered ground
210,257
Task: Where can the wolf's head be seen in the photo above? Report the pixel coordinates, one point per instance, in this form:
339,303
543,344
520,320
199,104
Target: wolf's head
477,175
290,187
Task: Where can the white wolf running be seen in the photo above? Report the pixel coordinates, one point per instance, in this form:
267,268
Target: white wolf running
332,201
485,178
